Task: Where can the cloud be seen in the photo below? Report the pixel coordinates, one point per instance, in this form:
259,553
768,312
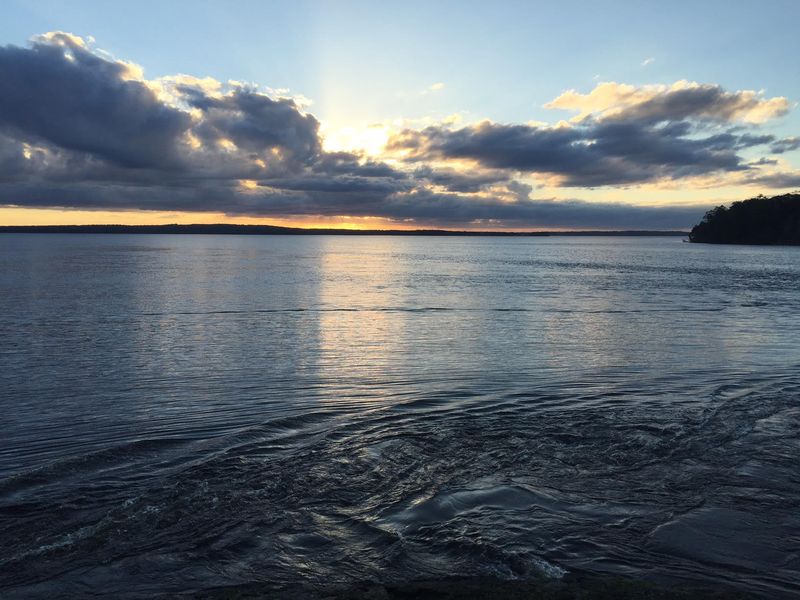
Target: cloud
253,122
433,88
777,180
763,161
424,207
59,92
785,145
681,100
458,181
623,135
82,129
520,211
648,61
591,155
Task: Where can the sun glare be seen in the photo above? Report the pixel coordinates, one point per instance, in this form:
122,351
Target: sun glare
370,140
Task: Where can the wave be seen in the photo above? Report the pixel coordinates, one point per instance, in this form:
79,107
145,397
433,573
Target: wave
667,478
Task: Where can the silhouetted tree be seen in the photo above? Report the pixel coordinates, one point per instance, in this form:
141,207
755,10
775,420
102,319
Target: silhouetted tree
760,220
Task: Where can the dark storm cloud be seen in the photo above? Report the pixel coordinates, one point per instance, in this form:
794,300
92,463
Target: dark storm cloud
458,181
425,208
255,122
587,155
345,163
58,92
13,164
344,184
79,129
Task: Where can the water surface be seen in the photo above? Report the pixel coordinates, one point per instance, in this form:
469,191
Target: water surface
187,412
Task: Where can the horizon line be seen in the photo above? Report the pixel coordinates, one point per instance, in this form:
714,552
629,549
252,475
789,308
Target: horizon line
259,229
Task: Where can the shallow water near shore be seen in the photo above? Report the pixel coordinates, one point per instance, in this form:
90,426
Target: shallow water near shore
182,413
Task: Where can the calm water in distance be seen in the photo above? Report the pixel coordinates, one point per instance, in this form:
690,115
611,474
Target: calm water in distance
186,412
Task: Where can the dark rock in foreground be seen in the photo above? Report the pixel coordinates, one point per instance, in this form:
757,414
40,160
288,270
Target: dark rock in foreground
761,220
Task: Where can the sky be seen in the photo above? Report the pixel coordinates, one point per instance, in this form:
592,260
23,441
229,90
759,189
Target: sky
506,115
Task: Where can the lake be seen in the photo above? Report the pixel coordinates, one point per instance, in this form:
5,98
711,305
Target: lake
187,412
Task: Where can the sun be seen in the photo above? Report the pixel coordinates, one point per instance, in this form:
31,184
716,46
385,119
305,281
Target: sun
369,140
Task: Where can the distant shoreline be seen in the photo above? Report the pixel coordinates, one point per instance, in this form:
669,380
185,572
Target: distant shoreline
225,229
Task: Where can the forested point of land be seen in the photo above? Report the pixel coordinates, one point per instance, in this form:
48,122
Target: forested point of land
759,220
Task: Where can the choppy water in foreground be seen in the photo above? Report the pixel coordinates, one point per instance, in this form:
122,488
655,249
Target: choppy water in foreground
180,413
